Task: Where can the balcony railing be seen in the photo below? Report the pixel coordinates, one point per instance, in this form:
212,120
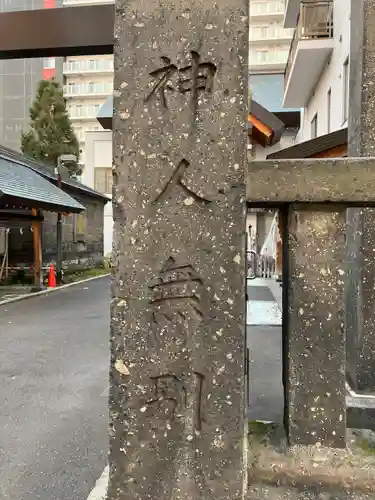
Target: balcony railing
264,34
88,66
315,21
85,2
266,8
268,58
77,112
87,88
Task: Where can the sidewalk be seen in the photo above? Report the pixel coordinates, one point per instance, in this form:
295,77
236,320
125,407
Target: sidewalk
264,340
264,304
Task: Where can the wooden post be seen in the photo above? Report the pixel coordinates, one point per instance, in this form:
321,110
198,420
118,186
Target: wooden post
37,243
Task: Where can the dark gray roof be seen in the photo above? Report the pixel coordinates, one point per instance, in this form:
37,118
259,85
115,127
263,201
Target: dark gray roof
22,183
48,172
313,146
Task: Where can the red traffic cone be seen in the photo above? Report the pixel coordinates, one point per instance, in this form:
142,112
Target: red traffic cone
51,277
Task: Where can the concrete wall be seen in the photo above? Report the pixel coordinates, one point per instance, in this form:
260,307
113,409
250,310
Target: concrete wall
331,78
83,235
260,222
98,153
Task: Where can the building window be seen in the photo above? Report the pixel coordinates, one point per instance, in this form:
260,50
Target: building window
49,63
79,226
345,97
261,55
314,127
329,99
103,179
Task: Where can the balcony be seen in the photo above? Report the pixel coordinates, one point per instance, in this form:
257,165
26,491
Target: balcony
83,112
269,35
85,66
266,61
311,47
88,90
267,10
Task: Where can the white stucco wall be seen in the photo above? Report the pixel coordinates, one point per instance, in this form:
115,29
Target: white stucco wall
98,153
331,78
287,140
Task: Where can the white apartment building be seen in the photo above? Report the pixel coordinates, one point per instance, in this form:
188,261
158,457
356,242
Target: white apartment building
98,175
317,71
269,40
88,81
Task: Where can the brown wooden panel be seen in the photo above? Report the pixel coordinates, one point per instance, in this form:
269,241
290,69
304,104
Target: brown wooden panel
68,31
337,152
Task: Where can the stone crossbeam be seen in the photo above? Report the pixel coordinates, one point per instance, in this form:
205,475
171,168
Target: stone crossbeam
68,31
348,181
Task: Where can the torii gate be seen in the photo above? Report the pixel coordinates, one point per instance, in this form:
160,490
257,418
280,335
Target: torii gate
177,321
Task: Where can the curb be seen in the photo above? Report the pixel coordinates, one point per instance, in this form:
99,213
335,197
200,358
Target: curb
100,490
51,290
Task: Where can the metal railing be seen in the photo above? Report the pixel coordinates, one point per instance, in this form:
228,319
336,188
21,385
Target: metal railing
88,88
76,112
315,20
260,266
88,66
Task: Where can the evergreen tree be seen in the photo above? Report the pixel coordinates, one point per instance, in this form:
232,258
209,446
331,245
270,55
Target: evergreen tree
51,133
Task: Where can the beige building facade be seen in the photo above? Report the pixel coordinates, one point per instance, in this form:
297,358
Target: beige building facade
88,81
269,40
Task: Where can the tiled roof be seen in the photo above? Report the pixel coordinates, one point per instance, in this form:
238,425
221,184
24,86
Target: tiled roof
307,149
20,182
48,172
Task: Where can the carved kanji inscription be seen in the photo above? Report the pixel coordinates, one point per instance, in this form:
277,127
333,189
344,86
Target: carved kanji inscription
194,78
176,181
170,396
176,293
162,81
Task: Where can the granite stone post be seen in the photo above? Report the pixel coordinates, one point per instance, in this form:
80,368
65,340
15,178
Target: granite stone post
178,293
360,290
315,378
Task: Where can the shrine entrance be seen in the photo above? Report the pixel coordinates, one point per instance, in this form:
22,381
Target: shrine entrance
178,424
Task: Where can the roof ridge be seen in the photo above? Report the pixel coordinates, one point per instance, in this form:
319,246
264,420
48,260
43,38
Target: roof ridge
46,170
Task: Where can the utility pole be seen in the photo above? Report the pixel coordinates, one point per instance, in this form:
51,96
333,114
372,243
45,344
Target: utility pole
60,162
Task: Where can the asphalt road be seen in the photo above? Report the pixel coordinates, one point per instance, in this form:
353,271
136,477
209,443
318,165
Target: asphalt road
54,355
266,397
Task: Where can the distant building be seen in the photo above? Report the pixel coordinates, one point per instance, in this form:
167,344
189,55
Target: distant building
98,175
88,81
19,79
269,40
36,187
317,71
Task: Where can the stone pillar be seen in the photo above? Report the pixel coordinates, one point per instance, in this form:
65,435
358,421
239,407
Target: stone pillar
177,321
360,290
315,382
